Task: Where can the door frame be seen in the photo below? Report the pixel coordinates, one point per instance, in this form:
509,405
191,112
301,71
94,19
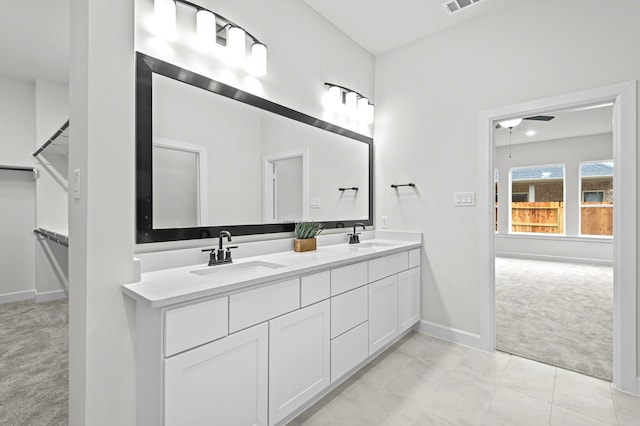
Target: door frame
623,96
268,190
202,173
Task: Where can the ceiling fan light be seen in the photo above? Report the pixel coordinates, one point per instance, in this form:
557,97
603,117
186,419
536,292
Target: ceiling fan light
508,124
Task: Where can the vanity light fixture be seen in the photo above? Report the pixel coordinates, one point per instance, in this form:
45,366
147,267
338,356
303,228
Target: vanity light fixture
212,30
350,103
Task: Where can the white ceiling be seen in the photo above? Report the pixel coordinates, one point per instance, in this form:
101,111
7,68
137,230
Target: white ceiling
34,44
383,25
34,39
565,124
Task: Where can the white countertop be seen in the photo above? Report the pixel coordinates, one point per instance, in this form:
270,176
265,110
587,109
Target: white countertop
170,286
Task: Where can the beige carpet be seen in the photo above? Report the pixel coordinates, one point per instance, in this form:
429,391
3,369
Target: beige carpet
34,372
556,313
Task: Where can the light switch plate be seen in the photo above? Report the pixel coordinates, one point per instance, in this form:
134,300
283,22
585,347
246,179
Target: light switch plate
464,199
76,183
314,203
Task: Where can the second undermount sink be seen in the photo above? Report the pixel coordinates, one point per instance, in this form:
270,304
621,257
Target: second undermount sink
240,269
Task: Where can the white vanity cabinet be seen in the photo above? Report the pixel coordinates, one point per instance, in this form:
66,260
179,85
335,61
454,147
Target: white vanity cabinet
383,312
299,358
261,354
225,380
408,298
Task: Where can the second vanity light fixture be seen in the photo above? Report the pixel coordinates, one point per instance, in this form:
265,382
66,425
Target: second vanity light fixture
350,103
212,29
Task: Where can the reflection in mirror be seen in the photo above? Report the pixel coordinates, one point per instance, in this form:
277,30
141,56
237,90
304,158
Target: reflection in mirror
220,158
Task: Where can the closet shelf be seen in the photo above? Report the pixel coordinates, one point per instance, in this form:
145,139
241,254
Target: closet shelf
63,240
16,168
61,139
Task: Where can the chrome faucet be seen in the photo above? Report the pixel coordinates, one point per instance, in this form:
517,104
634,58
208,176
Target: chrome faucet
222,257
355,238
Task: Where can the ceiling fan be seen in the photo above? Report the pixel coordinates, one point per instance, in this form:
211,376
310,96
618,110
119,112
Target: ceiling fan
533,117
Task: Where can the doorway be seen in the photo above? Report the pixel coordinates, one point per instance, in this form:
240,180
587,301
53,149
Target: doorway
623,97
285,186
554,247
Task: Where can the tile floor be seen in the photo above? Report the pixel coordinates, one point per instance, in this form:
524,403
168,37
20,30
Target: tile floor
422,380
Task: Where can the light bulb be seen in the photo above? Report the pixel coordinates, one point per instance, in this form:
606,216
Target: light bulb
206,28
258,63
350,101
335,97
236,46
362,109
164,17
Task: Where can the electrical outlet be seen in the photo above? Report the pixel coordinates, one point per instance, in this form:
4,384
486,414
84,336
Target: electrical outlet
385,222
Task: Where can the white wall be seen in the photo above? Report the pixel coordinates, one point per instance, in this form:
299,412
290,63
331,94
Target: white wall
570,152
17,190
429,95
51,259
101,231
303,55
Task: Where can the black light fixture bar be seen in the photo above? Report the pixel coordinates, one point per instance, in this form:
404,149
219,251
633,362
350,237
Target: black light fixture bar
227,22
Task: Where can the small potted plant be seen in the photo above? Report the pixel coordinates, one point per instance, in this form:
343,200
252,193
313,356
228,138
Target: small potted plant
306,233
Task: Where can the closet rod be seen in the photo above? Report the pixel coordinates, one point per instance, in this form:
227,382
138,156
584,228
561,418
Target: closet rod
52,138
16,168
63,240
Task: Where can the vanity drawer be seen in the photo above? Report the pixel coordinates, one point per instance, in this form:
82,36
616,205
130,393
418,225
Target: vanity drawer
388,265
255,306
348,277
414,258
314,288
192,325
349,350
348,310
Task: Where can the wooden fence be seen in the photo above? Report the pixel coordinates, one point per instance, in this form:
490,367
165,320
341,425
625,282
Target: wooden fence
539,217
596,218
548,218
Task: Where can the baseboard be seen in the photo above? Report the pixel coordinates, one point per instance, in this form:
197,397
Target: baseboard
18,296
549,258
450,334
48,296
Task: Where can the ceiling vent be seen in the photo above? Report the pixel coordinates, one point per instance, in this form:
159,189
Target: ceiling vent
457,5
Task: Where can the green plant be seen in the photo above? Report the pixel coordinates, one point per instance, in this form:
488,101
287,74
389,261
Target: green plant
306,230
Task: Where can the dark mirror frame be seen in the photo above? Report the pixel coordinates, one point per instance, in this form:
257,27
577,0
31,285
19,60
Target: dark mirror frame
146,66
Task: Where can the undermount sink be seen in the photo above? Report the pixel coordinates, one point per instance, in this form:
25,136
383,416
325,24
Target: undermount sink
256,266
372,245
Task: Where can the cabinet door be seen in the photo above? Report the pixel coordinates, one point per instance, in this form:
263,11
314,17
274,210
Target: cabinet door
299,357
408,299
383,312
221,383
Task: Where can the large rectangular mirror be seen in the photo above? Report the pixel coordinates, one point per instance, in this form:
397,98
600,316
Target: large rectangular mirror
211,157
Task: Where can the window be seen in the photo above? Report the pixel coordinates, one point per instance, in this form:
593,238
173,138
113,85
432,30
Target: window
537,199
596,202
